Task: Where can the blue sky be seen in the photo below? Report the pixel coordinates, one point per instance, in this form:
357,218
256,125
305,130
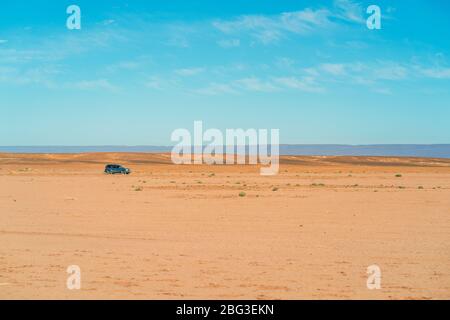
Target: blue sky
137,70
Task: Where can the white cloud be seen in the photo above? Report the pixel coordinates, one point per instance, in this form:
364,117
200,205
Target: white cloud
268,36
216,89
384,91
188,72
229,43
248,22
154,83
123,65
271,28
43,76
392,72
349,10
178,35
436,73
305,21
108,22
285,63
255,84
102,84
362,72
161,83
336,69
307,84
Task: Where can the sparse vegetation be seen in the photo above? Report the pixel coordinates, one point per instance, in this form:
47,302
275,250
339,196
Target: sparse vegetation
420,187
242,194
398,175
274,189
138,188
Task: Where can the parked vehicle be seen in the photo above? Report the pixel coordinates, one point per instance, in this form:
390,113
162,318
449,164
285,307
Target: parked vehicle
116,168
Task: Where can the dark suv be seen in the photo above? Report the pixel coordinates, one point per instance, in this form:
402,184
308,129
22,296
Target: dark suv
116,168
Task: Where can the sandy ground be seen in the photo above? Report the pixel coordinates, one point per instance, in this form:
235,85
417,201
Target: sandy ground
183,232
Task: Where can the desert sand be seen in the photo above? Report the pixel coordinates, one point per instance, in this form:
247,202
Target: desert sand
184,232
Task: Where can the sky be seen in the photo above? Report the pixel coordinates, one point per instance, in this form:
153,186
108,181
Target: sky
138,70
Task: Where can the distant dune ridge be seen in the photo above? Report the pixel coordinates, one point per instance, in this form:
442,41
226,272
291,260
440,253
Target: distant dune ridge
387,150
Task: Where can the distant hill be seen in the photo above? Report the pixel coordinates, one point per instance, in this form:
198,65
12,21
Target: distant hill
398,150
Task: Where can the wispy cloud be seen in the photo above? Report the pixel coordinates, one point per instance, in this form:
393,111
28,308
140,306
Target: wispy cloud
390,71
229,43
362,72
99,84
188,72
307,84
108,22
333,68
269,85
155,83
216,89
162,83
42,76
268,29
349,11
179,35
436,72
255,84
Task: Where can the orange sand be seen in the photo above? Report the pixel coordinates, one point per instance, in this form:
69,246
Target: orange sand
189,235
